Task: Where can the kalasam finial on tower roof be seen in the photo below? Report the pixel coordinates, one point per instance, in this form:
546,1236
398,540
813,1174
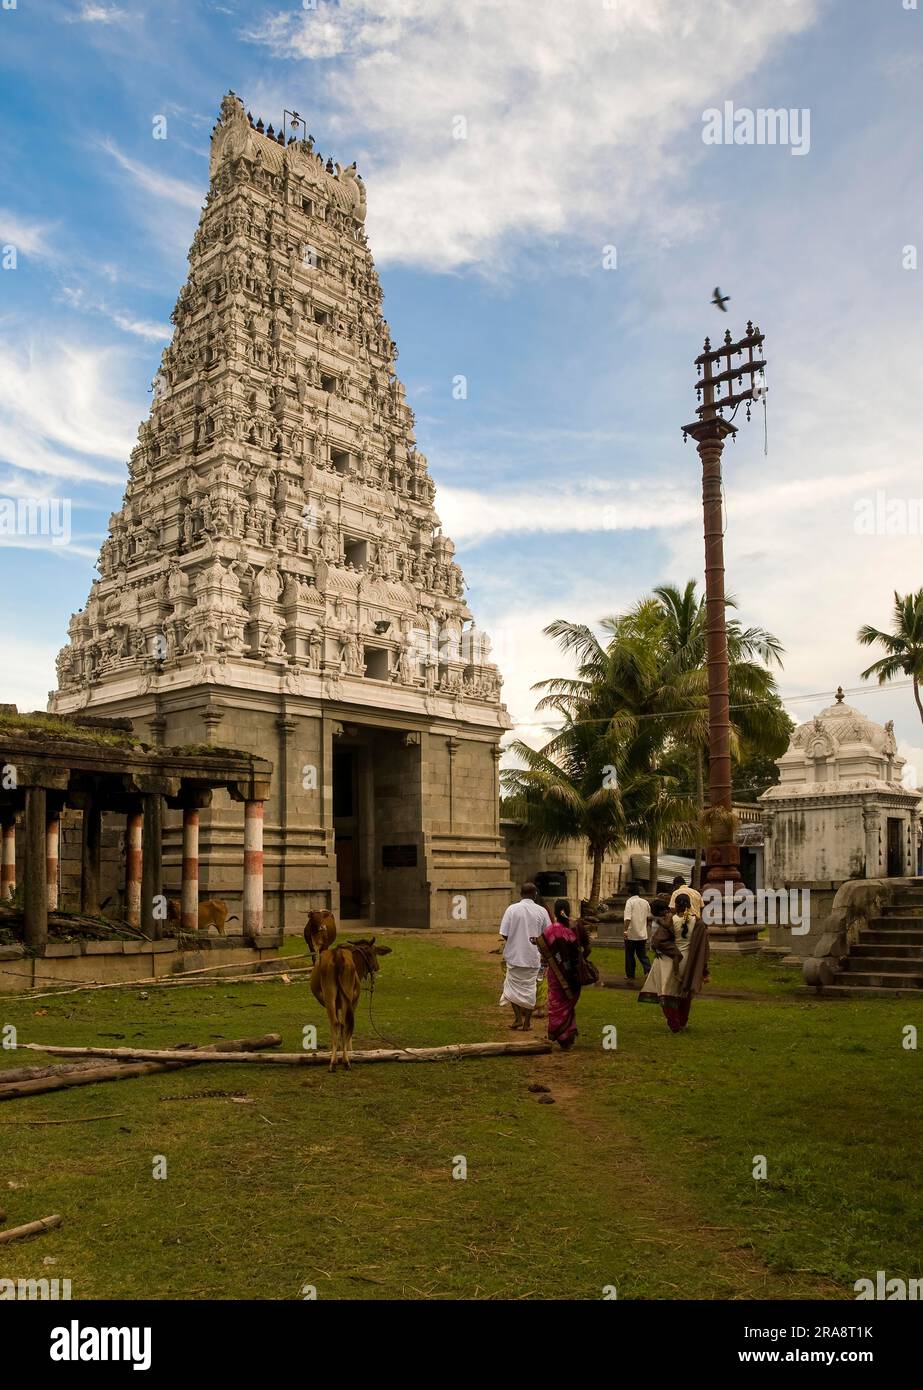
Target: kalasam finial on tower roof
840,696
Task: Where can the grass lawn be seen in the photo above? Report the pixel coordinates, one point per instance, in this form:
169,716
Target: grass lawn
640,1175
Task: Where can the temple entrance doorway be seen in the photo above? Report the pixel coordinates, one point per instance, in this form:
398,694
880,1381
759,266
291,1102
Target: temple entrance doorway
346,831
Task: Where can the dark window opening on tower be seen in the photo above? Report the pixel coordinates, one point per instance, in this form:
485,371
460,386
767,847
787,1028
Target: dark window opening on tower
355,552
377,667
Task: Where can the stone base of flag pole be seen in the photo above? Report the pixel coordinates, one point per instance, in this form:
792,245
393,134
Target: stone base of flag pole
253,869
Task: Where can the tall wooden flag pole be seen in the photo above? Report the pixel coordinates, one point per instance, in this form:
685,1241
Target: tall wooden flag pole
729,376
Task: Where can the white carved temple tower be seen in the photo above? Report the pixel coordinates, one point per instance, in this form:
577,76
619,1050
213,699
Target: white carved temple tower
277,580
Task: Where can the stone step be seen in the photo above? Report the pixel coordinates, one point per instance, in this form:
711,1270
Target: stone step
911,912
909,950
851,991
882,979
912,964
880,936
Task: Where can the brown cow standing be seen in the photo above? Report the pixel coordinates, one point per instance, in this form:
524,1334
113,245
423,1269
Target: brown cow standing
213,912
320,931
335,983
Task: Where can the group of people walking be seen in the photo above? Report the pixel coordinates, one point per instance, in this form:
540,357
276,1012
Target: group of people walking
532,942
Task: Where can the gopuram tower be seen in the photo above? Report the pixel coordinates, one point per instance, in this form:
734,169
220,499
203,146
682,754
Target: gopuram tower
277,579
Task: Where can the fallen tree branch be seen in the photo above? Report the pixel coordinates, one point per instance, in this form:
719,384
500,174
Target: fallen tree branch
74,1120
29,996
173,1059
34,1228
307,1059
11,1074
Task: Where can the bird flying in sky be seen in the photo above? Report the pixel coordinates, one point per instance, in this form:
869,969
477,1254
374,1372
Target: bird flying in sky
720,299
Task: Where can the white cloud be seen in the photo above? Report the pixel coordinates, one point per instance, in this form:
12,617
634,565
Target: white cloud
570,107
470,517
631,505
913,772
29,238
142,328
99,14
160,186
28,672
78,298
59,414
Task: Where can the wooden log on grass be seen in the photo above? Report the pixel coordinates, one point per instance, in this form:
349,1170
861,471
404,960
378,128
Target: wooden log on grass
33,1228
527,1047
10,1074
173,1059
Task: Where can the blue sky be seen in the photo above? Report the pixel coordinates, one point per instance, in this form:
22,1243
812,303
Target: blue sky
562,476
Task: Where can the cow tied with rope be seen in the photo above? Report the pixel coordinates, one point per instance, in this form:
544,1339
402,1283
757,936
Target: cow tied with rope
336,981
320,931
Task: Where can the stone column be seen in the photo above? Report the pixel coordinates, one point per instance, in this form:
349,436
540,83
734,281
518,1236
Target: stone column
496,753
870,829
89,858
152,864
134,829
453,745
286,726
253,869
52,841
35,897
8,865
190,892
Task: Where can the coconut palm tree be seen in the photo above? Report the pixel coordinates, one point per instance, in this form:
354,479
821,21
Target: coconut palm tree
758,721
643,687
568,790
620,698
903,645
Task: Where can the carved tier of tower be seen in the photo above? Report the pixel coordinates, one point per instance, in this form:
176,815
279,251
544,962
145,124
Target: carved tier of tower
279,516
277,549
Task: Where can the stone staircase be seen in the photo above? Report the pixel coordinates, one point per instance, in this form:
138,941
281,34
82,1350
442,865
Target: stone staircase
888,956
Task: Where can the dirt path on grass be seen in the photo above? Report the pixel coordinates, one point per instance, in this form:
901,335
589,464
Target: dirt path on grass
568,1077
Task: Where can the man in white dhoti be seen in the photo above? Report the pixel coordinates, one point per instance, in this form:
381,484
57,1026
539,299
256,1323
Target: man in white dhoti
521,922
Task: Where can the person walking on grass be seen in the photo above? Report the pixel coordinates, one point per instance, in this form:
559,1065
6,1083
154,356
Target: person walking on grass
680,946
637,913
564,947
522,922
695,897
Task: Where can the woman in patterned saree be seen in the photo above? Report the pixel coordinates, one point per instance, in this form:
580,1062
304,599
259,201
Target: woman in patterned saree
680,946
562,948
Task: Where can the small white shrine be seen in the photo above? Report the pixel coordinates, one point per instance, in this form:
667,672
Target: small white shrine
840,809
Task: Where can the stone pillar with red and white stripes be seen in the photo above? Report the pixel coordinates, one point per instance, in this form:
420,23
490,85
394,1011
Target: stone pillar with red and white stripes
8,859
52,842
190,890
253,869
134,831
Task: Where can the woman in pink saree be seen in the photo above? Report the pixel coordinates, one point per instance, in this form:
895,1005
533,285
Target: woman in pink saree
562,947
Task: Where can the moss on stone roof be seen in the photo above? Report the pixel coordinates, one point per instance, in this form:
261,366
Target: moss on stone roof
53,728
